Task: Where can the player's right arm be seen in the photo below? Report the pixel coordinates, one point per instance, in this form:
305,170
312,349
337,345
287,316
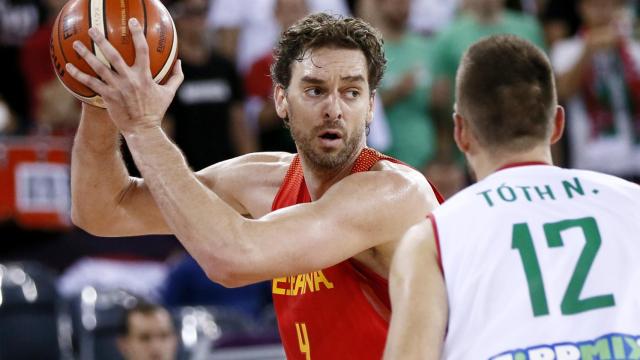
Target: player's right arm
106,201
418,298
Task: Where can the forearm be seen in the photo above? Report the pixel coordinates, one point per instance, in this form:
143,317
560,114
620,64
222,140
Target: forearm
98,174
418,299
205,225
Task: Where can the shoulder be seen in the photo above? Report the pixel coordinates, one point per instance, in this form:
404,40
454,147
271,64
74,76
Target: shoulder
398,180
415,39
521,19
249,169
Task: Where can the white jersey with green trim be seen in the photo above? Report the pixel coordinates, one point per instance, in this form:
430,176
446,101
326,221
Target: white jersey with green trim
542,263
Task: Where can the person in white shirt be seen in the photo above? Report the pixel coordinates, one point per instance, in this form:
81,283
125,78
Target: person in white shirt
599,80
247,29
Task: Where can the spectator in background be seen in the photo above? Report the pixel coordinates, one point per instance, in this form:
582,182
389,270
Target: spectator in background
598,78
426,17
207,112
53,109
559,20
478,19
273,134
405,88
187,284
148,333
481,18
247,29
18,20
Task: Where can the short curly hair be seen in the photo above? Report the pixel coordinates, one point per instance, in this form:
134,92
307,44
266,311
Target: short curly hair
320,30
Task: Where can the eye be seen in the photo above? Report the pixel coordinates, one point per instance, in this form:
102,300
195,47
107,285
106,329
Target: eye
352,93
313,92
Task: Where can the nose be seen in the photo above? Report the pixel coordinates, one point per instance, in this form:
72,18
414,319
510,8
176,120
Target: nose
333,108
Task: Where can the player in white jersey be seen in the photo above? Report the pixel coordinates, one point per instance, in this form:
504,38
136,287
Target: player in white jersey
533,261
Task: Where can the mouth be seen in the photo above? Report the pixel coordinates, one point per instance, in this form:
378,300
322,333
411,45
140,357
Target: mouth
330,137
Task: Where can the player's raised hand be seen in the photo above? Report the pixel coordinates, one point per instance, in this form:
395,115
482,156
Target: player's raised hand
134,100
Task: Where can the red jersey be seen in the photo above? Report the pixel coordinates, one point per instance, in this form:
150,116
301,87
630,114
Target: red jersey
341,312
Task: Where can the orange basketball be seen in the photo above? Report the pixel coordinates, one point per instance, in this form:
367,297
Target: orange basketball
111,17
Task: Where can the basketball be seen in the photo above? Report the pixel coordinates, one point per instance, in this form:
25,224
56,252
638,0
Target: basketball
110,17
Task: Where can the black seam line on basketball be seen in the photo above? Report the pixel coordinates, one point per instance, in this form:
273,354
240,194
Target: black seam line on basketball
93,47
64,56
144,18
105,27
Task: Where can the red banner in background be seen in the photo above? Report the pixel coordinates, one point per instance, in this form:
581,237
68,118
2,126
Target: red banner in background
35,181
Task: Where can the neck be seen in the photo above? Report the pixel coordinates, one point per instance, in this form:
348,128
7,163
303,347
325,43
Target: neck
391,32
319,180
486,17
193,51
486,163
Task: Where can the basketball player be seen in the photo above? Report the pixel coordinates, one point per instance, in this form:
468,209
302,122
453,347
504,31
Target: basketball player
533,261
322,224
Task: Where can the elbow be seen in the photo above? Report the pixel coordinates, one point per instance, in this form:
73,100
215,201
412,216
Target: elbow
89,222
80,219
228,273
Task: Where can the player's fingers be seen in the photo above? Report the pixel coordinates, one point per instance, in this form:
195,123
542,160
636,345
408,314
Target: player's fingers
87,80
112,55
176,77
140,44
98,66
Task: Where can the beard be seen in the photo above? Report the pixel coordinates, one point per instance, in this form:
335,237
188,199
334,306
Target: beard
319,158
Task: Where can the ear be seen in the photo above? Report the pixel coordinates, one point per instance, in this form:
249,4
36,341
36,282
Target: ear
372,105
280,99
461,133
558,125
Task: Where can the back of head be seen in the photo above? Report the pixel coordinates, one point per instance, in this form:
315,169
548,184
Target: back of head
324,30
506,91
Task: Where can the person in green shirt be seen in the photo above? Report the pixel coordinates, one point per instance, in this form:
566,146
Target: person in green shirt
477,19
405,89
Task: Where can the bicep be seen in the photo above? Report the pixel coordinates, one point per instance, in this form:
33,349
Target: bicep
362,212
140,215
418,298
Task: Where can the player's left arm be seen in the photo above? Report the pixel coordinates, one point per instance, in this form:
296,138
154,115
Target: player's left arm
359,212
418,298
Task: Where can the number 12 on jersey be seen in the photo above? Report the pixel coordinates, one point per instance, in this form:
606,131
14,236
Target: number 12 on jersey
571,302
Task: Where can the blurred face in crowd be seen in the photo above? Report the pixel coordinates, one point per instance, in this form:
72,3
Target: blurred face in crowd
190,18
327,103
596,13
289,11
151,336
395,13
485,8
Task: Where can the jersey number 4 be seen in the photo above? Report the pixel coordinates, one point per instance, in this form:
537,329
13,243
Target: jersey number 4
571,302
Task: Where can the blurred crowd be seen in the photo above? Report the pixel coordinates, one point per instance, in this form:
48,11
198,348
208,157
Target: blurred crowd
224,108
